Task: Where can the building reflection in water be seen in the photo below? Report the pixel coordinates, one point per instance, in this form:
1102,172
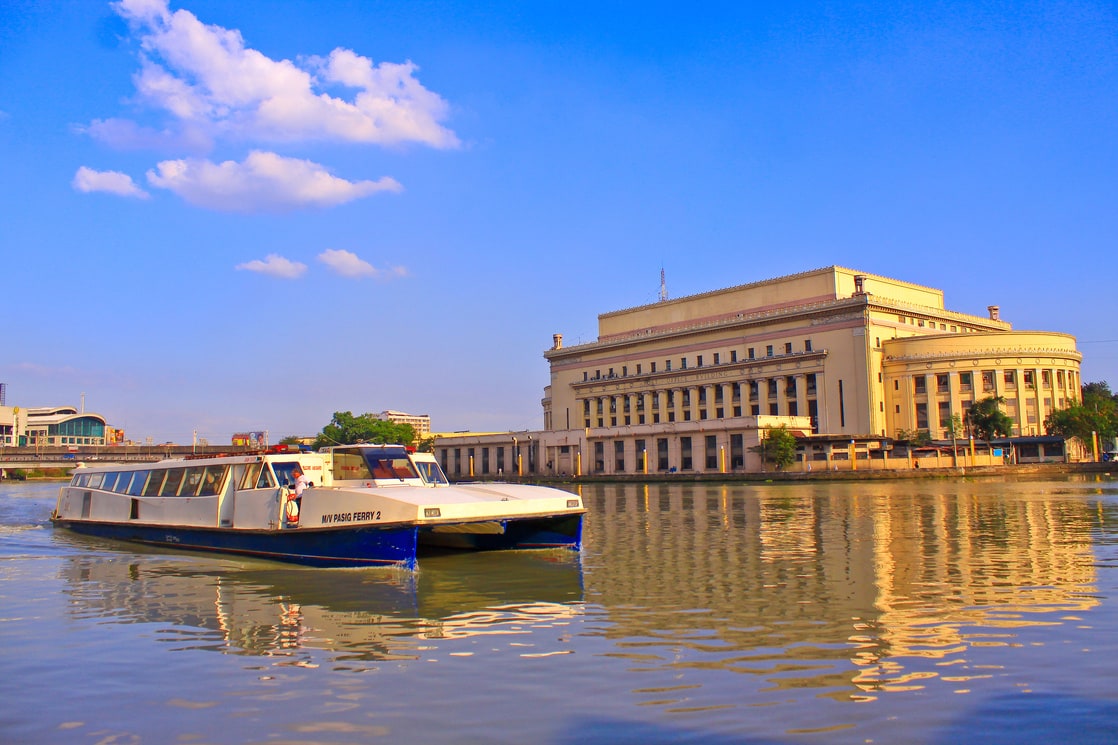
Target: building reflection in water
200,602
857,588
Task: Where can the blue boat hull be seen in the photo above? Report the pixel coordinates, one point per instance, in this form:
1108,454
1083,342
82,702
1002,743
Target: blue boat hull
357,546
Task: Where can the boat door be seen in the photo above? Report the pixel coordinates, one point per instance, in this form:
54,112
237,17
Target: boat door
227,500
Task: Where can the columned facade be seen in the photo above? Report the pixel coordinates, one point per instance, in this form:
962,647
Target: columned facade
690,384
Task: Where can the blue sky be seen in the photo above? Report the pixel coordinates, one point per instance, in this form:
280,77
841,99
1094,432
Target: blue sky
219,217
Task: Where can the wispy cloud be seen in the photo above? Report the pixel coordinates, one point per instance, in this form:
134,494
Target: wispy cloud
207,80
114,182
349,264
275,265
263,181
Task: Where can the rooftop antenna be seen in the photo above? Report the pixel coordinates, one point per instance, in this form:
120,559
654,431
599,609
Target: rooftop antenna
663,286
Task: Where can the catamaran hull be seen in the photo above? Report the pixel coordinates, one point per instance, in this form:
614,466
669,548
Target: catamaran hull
358,546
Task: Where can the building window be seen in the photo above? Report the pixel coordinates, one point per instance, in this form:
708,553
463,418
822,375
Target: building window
1030,380
716,359
737,451
919,385
733,355
788,347
653,367
661,454
769,350
683,363
624,371
638,368
965,382
921,416
599,457
807,345
685,463
941,383
751,356
810,379
641,455
619,456
699,361
1010,377
987,381
712,452
667,365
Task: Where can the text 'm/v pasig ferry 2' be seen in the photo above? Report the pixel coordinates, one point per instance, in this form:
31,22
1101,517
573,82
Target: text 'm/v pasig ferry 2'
367,505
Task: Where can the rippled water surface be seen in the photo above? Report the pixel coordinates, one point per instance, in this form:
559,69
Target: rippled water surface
932,611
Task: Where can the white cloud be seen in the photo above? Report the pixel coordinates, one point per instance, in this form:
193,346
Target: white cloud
206,79
263,181
276,266
348,264
114,182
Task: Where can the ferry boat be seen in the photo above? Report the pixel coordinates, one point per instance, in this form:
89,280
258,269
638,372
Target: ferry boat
364,505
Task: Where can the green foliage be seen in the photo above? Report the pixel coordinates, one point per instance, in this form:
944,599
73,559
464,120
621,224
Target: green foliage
778,446
916,437
987,420
426,445
955,426
1096,413
347,429
291,440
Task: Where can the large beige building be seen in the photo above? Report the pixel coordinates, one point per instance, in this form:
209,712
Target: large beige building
689,384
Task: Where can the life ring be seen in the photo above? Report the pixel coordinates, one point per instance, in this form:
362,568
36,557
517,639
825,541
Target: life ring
291,511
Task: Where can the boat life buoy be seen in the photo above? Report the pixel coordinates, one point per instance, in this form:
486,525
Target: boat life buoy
291,511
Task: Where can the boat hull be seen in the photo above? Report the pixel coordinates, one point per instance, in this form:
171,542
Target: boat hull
357,546
530,533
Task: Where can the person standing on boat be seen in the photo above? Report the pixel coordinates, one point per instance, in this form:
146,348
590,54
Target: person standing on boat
295,501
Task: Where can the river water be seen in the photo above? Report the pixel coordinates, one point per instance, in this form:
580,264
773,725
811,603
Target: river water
929,611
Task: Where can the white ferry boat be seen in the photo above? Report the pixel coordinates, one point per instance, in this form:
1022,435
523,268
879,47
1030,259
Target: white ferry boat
365,505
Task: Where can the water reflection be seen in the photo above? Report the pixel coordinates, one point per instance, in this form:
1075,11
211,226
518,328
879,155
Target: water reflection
369,614
855,589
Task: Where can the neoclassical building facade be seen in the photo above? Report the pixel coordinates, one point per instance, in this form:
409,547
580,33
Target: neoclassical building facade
836,355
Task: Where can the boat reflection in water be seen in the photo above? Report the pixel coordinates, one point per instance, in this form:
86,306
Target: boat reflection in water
364,614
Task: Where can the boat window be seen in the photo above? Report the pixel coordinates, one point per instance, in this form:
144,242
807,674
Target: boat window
192,481
283,472
265,481
110,481
155,483
81,479
213,481
139,478
350,465
95,480
174,481
390,464
431,472
249,477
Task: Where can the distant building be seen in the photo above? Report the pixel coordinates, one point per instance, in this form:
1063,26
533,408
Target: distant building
421,423
53,425
844,359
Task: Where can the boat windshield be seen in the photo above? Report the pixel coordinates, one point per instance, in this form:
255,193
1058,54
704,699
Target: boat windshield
431,472
390,463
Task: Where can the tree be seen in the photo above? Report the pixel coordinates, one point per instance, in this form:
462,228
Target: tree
1097,413
987,420
778,446
915,437
346,429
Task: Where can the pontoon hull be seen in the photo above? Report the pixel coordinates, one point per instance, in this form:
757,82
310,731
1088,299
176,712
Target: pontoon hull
356,546
350,547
